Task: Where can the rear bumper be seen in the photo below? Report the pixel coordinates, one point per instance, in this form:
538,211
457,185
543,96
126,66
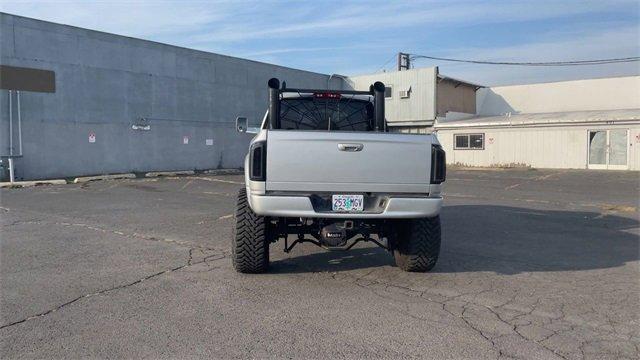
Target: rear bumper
300,206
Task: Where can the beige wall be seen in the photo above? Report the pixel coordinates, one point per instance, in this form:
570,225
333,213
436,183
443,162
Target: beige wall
580,95
538,147
452,96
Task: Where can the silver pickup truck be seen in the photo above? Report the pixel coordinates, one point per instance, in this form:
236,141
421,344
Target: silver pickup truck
323,169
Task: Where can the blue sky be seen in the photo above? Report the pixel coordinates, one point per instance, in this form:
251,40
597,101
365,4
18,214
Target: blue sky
358,37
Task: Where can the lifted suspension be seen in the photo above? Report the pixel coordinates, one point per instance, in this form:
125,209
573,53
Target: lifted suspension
302,239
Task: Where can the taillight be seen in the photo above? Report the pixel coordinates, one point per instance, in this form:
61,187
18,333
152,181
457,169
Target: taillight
258,161
438,164
327,95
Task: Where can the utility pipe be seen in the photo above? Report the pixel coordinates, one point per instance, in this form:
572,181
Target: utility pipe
10,123
19,123
12,177
11,169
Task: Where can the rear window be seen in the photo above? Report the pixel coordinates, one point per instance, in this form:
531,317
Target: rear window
314,113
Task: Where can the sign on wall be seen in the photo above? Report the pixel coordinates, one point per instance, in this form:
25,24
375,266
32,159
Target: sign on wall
27,79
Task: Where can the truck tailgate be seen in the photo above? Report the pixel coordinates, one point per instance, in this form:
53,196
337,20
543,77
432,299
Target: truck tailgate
325,161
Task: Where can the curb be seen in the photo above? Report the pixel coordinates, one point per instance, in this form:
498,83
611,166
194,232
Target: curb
479,168
168,173
84,179
225,172
23,184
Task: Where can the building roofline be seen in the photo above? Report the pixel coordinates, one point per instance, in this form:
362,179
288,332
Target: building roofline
158,43
565,81
566,118
440,76
460,82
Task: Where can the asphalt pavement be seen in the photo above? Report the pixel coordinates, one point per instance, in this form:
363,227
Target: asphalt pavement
535,264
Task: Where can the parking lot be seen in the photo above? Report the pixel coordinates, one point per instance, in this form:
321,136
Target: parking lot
534,264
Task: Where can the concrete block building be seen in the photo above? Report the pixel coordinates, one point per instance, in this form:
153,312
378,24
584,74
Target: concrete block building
81,102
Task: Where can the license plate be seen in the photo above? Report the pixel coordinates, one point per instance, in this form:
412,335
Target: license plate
347,202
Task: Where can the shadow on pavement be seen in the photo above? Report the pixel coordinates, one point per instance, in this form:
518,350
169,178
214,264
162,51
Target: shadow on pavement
504,240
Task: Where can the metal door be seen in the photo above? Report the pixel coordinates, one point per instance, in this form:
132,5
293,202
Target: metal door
608,149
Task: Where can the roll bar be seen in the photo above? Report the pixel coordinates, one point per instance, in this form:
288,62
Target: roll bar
376,90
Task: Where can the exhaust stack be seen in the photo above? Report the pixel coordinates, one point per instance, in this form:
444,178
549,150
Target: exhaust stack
378,103
274,103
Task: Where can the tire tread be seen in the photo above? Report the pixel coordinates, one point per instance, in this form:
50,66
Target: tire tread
418,245
250,248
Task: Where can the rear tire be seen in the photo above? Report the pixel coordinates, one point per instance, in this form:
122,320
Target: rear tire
417,244
250,242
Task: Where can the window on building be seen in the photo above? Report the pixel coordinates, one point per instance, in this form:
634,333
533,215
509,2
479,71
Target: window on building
388,92
469,141
476,141
462,141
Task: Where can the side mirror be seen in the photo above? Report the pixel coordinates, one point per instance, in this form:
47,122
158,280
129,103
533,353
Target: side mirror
241,124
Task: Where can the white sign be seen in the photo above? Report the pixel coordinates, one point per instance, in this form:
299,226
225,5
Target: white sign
209,142
92,137
185,139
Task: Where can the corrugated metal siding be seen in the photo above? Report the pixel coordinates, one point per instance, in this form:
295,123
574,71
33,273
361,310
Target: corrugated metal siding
419,108
567,118
542,147
411,129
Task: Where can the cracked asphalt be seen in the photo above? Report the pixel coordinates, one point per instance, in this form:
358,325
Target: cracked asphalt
535,264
